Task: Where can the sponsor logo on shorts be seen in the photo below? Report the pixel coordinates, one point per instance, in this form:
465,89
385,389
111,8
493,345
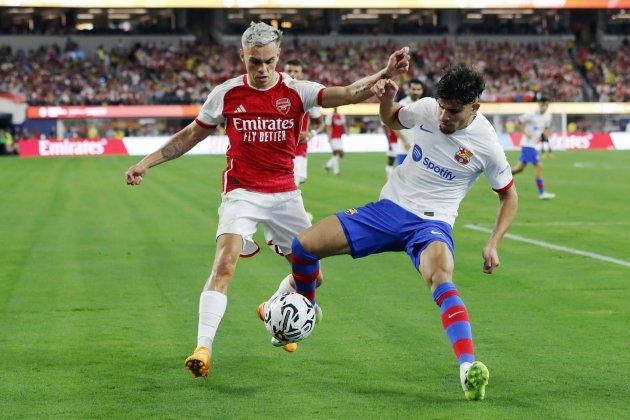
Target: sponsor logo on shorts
351,211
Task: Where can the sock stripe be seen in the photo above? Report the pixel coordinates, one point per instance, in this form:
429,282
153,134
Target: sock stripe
463,346
455,321
454,314
305,270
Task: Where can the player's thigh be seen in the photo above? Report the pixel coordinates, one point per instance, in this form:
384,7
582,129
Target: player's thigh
325,238
436,263
287,219
240,213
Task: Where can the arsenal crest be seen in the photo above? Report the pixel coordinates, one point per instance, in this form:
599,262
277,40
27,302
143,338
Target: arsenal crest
463,156
283,105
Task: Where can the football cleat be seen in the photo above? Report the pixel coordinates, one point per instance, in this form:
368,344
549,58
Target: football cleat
547,196
199,363
289,347
475,380
319,315
327,169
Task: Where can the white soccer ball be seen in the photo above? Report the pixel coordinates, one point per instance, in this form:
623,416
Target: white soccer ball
289,317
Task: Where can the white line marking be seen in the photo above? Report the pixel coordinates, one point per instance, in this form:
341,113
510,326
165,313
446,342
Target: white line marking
573,223
552,246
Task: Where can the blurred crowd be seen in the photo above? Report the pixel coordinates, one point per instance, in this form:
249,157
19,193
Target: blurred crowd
152,73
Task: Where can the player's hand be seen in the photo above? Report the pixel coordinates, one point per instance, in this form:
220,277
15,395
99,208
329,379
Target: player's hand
490,259
385,90
398,63
305,137
134,175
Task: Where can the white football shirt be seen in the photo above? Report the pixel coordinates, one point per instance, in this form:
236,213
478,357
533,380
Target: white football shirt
407,132
534,123
442,168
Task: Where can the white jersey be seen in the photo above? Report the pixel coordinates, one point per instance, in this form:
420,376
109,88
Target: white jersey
440,170
534,123
401,149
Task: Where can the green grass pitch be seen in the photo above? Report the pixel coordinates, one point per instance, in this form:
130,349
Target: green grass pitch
99,289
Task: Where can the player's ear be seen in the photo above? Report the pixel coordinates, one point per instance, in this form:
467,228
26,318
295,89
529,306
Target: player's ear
242,55
476,106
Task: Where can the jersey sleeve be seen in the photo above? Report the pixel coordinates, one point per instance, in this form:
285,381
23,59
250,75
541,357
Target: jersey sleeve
309,92
211,113
410,115
498,170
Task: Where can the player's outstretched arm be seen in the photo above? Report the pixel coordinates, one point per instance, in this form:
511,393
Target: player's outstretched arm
360,90
508,205
179,144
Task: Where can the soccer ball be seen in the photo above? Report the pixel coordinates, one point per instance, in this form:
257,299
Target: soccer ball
289,317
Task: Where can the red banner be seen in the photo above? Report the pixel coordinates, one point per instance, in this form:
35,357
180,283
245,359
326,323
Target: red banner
72,147
574,141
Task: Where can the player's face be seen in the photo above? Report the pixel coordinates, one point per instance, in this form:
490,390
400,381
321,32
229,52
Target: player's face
294,71
260,63
542,106
455,116
415,91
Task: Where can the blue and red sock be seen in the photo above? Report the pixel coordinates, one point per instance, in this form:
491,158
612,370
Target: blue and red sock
455,321
541,186
305,268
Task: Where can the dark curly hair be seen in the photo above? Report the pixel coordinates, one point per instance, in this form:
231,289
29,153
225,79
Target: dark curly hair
461,83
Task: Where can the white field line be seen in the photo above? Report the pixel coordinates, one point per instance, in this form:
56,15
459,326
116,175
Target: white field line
574,223
555,247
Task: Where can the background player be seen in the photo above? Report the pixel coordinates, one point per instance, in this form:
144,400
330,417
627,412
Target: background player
262,111
534,124
312,124
405,136
418,204
335,128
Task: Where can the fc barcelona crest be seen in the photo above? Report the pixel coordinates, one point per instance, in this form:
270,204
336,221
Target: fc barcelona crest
351,211
463,156
283,105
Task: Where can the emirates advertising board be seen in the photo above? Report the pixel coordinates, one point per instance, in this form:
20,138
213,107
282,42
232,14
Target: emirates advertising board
217,145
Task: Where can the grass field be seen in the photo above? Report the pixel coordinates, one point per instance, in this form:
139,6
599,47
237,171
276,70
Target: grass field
99,289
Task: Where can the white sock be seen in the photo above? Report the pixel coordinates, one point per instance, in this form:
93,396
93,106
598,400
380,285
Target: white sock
284,287
336,165
211,309
463,368
330,161
388,170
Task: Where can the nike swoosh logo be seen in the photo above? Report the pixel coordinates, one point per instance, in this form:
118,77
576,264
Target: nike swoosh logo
456,313
424,129
506,168
436,232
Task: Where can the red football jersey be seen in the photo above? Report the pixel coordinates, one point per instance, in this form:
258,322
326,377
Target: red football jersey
262,127
337,123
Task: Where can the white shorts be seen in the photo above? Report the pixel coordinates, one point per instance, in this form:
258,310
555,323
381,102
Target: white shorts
335,144
300,168
282,215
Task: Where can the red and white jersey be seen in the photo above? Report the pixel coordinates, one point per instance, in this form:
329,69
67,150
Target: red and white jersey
437,174
337,122
314,113
263,128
